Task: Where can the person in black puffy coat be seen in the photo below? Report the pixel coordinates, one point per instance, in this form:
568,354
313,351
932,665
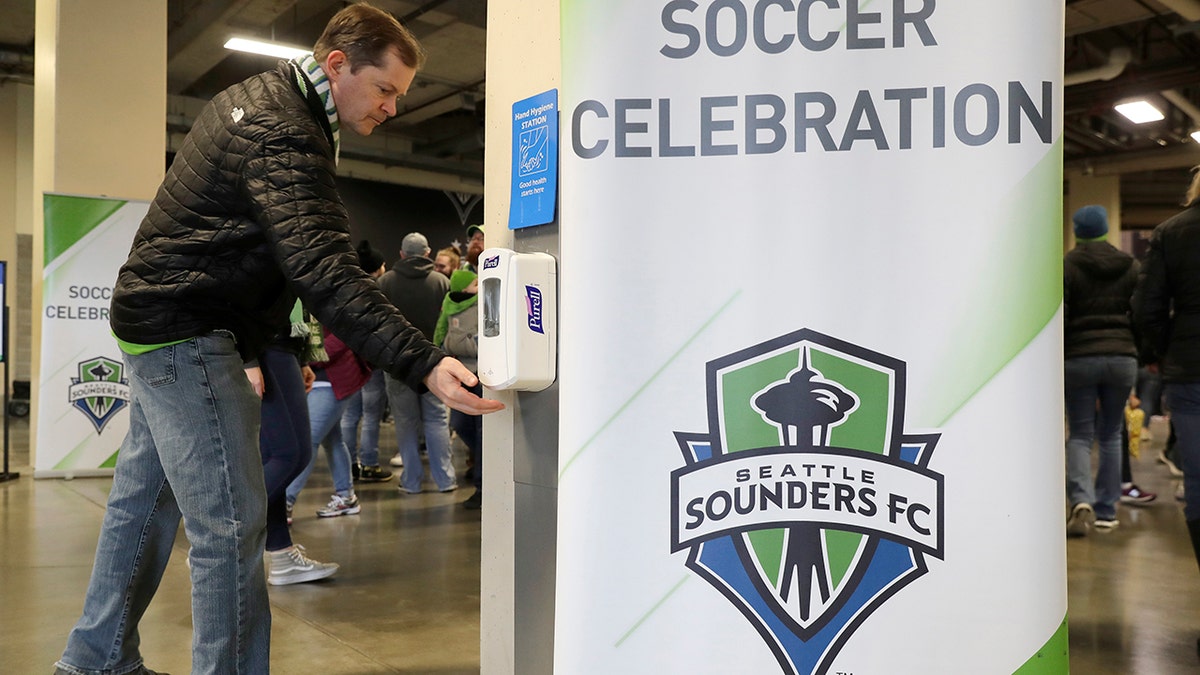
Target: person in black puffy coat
246,220
1099,369
1167,314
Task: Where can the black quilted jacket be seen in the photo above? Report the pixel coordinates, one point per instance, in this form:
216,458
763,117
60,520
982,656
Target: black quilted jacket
1167,304
1098,283
247,219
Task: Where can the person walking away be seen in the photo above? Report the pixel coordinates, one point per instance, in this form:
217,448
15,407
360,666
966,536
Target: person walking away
1167,314
1100,367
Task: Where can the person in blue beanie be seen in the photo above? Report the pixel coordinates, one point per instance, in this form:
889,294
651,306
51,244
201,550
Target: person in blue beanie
1100,367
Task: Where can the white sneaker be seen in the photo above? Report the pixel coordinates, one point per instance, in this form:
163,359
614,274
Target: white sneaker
1081,520
340,506
291,566
396,461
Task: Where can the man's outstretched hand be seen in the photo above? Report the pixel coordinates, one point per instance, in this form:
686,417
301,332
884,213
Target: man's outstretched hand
447,381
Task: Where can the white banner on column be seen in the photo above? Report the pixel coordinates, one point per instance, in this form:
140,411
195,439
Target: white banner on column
83,391
810,375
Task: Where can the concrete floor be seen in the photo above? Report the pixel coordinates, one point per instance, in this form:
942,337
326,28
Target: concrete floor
407,597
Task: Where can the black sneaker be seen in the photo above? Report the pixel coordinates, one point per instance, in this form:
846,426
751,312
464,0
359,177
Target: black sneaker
474,502
374,474
356,471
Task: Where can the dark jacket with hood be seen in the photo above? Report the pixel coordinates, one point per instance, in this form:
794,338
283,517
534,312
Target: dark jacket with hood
247,219
1098,285
417,290
1167,305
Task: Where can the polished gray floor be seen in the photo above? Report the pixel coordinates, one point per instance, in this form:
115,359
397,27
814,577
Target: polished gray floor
407,597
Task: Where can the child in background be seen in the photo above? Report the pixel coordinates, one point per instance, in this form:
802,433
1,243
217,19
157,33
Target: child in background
1134,417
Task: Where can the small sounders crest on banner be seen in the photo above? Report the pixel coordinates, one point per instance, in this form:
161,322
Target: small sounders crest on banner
100,390
805,504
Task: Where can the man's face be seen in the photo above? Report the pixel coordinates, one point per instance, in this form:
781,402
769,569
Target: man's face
475,245
474,248
366,98
442,264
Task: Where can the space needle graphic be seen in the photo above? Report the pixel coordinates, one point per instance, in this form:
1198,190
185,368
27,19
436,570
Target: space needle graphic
804,407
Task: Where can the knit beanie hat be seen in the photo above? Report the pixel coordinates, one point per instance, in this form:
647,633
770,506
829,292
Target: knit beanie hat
414,244
460,279
369,257
1091,222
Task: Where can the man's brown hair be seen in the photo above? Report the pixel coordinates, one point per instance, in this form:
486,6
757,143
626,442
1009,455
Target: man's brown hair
365,34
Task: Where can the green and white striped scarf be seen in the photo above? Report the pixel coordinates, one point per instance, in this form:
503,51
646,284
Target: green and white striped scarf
320,83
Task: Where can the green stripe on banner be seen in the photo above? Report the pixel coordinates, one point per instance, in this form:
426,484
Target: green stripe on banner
1009,315
1051,658
69,219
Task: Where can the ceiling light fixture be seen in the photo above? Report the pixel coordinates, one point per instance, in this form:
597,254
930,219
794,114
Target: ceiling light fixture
1196,135
1140,111
265,48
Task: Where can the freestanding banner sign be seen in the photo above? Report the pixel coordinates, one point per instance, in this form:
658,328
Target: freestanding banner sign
811,358
84,392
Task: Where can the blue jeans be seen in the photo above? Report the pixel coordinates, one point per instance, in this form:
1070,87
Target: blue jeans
1150,391
1096,385
325,415
285,440
410,412
365,404
191,450
1184,400
470,429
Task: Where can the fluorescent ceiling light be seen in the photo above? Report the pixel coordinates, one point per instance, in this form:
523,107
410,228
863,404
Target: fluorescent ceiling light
265,48
1196,135
1140,112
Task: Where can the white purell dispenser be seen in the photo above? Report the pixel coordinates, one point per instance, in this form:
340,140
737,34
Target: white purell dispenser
517,319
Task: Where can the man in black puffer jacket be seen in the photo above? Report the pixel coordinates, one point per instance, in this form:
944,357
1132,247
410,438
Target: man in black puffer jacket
1167,313
247,219
1100,367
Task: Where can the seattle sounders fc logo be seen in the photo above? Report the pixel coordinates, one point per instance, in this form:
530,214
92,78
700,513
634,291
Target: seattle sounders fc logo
805,503
100,390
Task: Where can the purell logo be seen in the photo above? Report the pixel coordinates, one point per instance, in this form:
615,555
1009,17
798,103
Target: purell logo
533,305
806,504
491,262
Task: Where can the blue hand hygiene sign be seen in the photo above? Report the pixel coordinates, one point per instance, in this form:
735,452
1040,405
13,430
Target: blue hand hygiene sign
535,160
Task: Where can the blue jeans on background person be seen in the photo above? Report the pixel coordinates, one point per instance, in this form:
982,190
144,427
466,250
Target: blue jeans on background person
285,441
325,415
1150,391
1089,380
191,450
411,412
1184,399
366,404
470,429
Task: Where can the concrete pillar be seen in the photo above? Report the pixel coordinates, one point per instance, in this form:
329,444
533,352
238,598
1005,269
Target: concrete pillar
516,633
100,98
